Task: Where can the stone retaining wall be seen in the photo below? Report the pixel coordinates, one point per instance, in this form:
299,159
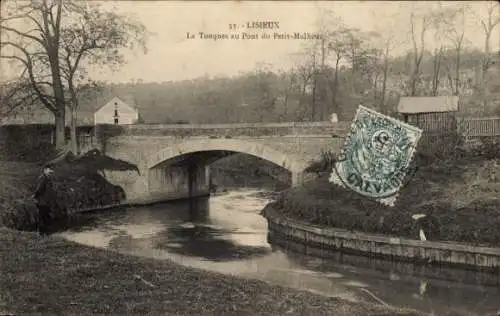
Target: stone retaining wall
416,251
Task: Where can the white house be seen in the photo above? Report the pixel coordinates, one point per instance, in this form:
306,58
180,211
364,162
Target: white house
116,112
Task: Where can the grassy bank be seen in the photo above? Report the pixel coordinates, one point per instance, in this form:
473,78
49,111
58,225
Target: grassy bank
53,276
71,189
461,199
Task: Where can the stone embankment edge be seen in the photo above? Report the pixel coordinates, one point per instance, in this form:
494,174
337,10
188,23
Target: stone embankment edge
334,239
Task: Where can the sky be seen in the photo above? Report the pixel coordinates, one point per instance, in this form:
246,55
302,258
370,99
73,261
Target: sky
172,56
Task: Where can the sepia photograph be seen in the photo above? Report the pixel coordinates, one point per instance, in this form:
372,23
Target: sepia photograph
249,158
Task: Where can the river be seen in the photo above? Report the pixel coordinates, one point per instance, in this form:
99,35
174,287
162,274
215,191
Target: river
227,234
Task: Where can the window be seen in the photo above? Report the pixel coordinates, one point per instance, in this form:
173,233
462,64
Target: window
116,113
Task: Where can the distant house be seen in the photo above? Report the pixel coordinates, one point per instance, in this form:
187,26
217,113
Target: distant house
430,113
116,111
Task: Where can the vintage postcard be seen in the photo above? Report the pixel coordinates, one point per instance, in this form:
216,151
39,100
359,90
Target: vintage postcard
249,157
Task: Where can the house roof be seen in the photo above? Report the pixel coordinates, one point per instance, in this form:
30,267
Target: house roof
428,104
121,100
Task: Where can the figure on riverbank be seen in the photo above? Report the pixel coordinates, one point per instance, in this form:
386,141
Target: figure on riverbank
43,196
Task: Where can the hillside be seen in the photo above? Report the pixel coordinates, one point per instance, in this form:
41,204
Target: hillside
267,96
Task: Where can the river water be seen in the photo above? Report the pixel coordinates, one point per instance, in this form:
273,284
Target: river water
227,234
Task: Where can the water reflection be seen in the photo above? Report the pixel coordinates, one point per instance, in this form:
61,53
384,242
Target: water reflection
206,242
406,285
226,234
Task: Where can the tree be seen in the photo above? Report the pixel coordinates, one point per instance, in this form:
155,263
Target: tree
266,100
488,23
309,72
305,71
418,46
94,37
288,85
337,44
454,30
15,95
385,40
436,69
54,41
34,50
388,46
355,42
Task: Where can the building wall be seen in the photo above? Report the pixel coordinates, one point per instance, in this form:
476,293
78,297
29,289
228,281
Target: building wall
126,114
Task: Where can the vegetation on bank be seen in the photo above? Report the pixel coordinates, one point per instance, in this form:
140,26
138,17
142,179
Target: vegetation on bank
459,195
49,275
75,185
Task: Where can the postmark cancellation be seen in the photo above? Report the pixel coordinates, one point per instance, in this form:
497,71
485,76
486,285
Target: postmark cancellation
376,156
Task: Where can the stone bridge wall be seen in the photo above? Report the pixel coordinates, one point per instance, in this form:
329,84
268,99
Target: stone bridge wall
296,144
225,130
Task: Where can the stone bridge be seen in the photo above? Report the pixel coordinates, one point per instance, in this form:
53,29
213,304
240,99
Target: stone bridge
174,160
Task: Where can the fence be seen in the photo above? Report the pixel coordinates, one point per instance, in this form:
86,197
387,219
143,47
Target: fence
470,130
479,126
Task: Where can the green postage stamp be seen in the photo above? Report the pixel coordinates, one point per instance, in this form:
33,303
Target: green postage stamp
376,155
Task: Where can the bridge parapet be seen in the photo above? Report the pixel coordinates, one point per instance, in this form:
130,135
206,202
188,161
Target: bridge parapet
226,130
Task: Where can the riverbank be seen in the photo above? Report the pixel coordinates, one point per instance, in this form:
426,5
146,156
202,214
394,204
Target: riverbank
50,275
460,200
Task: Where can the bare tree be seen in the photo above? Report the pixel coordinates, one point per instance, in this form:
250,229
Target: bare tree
15,95
418,45
488,23
436,69
290,81
355,44
265,100
51,41
338,45
453,20
439,26
386,40
388,46
36,48
306,71
93,38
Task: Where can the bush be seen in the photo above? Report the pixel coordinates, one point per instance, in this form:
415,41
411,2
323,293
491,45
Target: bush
72,191
20,215
325,163
489,148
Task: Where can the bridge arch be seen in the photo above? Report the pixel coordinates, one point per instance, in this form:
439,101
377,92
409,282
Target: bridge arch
296,165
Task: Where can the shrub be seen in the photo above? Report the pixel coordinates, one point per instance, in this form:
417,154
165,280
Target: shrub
325,163
71,192
489,148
